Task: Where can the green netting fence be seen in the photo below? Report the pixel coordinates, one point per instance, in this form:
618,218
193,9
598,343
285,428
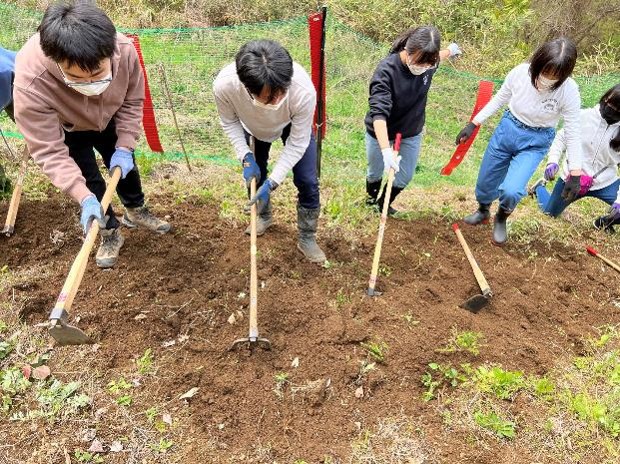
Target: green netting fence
193,57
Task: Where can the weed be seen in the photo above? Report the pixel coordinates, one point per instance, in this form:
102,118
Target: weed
376,350
281,379
124,400
410,320
85,456
464,341
503,384
58,396
5,349
492,422
145,362
161,447
116,386
440,376
151,414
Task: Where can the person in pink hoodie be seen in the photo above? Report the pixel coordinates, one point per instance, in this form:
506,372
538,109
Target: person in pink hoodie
79,88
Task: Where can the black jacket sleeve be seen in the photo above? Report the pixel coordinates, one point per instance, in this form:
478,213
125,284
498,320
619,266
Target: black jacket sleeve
380,99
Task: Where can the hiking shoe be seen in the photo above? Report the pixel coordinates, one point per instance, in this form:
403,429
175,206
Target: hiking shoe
481,216
111,244
142,217
531,190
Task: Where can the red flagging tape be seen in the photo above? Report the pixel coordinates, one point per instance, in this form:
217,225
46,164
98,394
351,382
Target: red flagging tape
399,138
315,27
485,92
148,113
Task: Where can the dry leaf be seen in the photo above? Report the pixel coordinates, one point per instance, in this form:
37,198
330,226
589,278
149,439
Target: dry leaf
140,316
239,315
116,447
96,447
167,419
191,392
183,338
231,319
295,362
27,370
359,392
41,372
168,343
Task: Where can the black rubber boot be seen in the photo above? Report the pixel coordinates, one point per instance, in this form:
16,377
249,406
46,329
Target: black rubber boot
481,216
393,194
605,223
500,232
372,189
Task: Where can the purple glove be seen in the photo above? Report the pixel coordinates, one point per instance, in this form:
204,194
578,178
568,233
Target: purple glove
615,210
586,184
551,170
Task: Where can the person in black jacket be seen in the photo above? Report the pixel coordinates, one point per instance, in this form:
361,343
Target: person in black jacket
398,93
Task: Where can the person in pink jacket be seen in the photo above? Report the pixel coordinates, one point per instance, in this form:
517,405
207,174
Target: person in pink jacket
79,88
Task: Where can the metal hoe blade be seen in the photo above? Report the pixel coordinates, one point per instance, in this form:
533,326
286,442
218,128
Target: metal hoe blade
66,334
373,292
8,231
476,303
251,343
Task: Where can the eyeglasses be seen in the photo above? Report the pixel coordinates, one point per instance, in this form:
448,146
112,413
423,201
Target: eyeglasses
72,84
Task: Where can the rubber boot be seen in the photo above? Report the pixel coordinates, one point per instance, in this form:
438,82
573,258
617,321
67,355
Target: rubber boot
263,221
372,189
393,194
111,244
307,220
500,232
605,223
481,216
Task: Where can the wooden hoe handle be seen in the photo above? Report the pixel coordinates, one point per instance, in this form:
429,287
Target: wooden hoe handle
482,281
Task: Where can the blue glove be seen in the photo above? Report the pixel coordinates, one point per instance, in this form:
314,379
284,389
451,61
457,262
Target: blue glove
263,194
615,210
250,169
91,210
124,160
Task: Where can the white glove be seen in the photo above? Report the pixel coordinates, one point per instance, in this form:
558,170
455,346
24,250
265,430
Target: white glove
454,50
389,161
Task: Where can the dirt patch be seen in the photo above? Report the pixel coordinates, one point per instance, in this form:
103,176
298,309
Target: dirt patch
546,298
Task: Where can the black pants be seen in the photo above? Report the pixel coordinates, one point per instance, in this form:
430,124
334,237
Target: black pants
304,172
81,145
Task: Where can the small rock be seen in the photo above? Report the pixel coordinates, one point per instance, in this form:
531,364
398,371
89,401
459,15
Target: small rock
359,392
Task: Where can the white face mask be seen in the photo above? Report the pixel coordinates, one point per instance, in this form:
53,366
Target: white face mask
417,70
269,106
90,89
544,84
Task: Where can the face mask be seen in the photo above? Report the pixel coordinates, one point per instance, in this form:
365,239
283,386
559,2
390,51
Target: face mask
610,115
417,70
544,84
268,106
90,89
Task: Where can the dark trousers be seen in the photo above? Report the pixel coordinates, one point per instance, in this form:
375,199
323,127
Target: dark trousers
304,172
81,148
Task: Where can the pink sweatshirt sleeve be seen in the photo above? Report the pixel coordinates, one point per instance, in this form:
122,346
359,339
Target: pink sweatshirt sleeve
45,138
128,118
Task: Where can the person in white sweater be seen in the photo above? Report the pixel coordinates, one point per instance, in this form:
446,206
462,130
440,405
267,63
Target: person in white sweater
264,95
600,145
538,94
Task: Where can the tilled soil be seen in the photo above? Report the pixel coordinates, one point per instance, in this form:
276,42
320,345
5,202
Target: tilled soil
189,282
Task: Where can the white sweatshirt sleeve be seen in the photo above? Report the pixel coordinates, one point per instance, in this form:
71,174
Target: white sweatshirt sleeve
299,137
557,149
231,124
572,128
500,99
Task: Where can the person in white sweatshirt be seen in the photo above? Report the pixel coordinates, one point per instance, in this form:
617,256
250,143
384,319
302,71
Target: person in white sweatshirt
266,96
600,145
538,94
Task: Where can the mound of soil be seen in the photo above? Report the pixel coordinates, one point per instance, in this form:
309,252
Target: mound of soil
189,282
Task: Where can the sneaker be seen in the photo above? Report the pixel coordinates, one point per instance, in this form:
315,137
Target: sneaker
604,223
531,190
142,217
111,244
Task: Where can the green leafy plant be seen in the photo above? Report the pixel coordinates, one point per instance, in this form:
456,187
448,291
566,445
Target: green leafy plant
376,350
464,341
145,362
503,384
161,447
116,386
124,400
85,456
5,349
492,422
439,376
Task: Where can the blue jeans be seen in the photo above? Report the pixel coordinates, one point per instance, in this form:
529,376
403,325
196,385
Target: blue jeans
409,152
304,172
511,158
553,204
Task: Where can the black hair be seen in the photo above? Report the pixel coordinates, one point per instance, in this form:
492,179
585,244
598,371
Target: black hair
77,33
556,57
264,63
613,96
424,42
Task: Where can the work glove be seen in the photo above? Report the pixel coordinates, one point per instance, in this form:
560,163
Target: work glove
250,169
91,210
571,188
389,160
465,133
455,50
123,159
551,171
263,194
586,184
615,210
